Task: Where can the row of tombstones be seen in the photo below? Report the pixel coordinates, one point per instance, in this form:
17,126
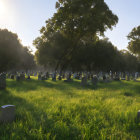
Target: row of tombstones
89,76
19,77
54,76
79,76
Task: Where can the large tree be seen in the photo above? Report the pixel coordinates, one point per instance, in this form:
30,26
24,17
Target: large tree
12,52
75,20
134,41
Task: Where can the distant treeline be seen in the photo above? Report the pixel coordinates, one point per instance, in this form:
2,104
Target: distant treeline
13,55
70,39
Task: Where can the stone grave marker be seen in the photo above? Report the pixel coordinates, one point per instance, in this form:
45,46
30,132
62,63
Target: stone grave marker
7,113
69,79
94,80
128,77
117,77
138,115
104,77
54,77
17,78
12,76
28,78
22,76
84,81
123,76
59,77
2,81
39,77
47,75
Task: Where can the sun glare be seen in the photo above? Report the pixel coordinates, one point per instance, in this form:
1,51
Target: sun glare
2,8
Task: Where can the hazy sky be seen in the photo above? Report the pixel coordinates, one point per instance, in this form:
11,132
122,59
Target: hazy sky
26,17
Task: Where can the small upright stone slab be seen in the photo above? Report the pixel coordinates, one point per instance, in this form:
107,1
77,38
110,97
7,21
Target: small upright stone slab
7,113
84,81
28,78
17,78
59,77
12,76
138,115
22,76
39,77
94,80
2,81
54,77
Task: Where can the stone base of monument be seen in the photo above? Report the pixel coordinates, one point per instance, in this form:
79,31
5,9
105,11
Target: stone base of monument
7,113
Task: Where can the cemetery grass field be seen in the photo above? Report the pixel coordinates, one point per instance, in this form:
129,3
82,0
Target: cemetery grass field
67,111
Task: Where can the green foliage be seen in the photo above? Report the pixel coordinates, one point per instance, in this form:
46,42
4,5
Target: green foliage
91,54
79,18
58,110
12,54
75,21
134,40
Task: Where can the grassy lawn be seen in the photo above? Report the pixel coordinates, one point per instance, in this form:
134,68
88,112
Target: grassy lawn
66,111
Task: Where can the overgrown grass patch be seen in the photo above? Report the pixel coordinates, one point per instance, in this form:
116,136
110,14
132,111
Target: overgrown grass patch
59,110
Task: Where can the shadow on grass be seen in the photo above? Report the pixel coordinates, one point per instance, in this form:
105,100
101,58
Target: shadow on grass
35,84
121,85
31,118
67,86
32,122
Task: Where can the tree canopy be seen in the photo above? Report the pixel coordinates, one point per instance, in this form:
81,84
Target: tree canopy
74,22
12,53
134,40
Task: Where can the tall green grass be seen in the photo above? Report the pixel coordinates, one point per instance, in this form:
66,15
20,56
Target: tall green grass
66,111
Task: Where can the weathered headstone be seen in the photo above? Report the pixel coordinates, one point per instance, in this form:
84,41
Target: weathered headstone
54,77
117,77
47,75
94,80
2,81
8,75
39,77
77,76
69,79
84,81
123,76
128,77
17,78
28,78
7,113
88,76
22,76
59,77
104,77
12,76
138,115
